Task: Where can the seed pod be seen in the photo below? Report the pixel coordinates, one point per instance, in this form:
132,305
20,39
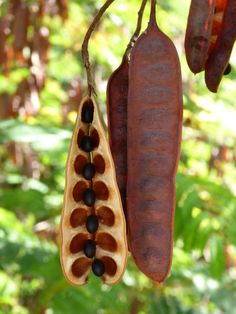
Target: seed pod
217,23
198,33
117,98
110,236
154,136
219,58
204,22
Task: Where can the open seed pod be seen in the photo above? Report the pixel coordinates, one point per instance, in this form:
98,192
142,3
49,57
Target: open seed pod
93,229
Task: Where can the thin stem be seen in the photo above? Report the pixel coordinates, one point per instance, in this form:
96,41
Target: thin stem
139,26
85,53
153,13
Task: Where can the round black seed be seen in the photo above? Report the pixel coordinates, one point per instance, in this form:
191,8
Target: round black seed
98,267
228,69
87,114
89,197
89,171
87,143
92,224
90,248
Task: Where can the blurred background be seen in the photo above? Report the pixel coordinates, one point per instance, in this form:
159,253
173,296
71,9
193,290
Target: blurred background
42,81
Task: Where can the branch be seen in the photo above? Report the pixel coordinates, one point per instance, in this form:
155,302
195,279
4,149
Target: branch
85,53
139,26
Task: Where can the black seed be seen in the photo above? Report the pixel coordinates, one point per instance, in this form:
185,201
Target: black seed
87,143
92,224
228,69
89,171
87,114
90,248
98,267
89,197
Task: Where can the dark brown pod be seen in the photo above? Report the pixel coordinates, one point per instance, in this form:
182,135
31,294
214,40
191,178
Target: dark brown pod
154,137
219,58
198,33
204,24
117,98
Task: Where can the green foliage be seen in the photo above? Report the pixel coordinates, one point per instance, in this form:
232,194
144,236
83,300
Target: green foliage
202,280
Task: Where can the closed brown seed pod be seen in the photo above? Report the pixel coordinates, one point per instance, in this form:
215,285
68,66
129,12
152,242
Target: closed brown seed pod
117,98
219,58
154,136
110,238
198,33
204,23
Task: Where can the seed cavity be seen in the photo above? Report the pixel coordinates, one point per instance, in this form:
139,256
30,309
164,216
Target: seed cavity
78,217
110,265
101,190
106,216
80,163
106,242
95,136
80,266
81,134
99,163
77,243
79,190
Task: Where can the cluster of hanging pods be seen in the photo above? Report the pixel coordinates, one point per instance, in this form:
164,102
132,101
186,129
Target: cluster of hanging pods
120,194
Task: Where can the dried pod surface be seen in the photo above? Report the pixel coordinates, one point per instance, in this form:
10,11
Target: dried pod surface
117,98
204,23
219,58
93,229
198,33
154,136
217,23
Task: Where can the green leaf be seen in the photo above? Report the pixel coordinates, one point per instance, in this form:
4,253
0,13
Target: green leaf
217,257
